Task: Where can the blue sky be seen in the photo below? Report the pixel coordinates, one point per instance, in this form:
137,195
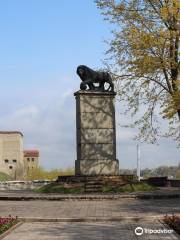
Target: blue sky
41,44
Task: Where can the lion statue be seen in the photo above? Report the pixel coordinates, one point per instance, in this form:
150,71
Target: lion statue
89,77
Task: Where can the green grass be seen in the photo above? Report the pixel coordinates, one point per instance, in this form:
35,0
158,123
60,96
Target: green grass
134,187
4,177
57,188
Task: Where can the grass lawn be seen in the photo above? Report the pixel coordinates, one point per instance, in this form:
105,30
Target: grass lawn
59,188
133,187
74,188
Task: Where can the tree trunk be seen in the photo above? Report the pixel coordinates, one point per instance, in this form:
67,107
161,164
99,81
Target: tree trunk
178,111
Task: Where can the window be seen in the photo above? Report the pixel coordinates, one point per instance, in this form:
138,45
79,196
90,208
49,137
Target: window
10,167
28,159
32,159
6,160
14,160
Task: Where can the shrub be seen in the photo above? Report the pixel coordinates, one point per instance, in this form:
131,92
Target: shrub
173,222
4,176
6,223
42,174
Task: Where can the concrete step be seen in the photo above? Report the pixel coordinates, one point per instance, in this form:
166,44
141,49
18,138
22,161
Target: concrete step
93,178
92,191
93,186
86,189
94,183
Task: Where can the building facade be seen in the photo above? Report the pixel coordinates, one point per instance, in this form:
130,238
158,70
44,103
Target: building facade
31,160
13,159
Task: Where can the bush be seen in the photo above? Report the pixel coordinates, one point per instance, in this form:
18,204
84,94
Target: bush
4,177
6,223
173,222
41,174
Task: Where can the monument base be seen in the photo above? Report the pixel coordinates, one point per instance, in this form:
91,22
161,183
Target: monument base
96,134
96,167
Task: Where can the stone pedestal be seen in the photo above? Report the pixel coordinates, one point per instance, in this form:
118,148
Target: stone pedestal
96,133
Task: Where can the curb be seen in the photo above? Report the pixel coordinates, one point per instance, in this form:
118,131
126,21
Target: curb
90,197
159,196
3,235
91,219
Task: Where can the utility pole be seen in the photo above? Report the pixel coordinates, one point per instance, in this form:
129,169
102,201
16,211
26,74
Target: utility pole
138,162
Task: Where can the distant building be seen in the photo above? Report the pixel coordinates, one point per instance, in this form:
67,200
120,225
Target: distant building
31,159
13,160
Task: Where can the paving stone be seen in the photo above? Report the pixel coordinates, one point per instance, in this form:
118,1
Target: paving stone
102,209
82,231
83,209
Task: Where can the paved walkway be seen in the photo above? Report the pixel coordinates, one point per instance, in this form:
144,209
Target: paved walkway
161,193
84,209
89,231
85,220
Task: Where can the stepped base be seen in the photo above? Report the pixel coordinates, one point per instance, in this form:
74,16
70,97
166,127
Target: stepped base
96,167
106,178
95,184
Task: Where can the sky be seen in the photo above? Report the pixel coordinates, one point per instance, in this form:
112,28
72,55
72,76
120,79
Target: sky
42,42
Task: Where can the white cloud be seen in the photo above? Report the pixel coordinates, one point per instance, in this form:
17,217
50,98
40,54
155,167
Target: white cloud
26,111
124,134
49,125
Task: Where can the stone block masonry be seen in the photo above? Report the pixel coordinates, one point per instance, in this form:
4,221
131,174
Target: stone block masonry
96,133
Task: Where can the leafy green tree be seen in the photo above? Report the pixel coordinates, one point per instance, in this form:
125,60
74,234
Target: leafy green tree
179,166
178,174
146,173
144,60
4,177
42,174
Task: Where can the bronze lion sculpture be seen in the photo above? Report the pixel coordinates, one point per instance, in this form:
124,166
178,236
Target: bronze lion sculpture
90,77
